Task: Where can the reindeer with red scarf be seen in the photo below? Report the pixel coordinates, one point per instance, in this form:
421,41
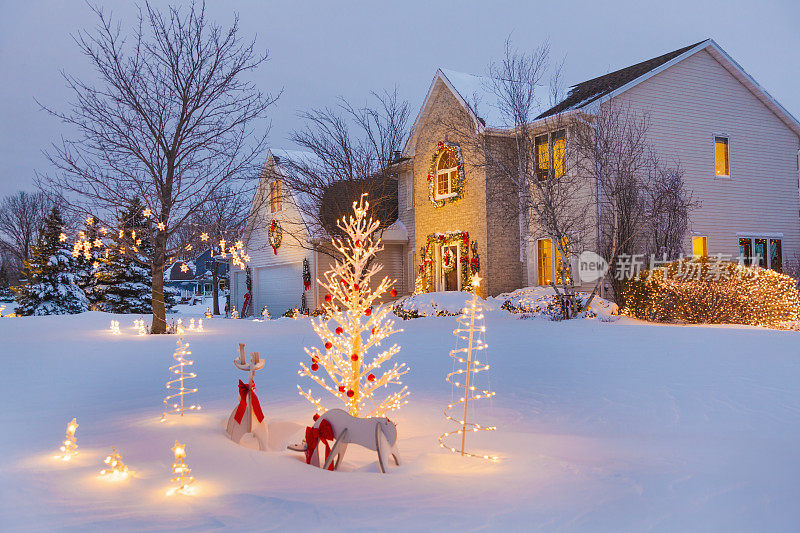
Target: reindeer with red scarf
247,417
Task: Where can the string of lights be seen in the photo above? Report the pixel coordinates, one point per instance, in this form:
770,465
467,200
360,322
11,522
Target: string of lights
348,314
178,384
465,368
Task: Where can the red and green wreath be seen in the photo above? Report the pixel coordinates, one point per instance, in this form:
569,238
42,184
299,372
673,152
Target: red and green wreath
275,235
458,186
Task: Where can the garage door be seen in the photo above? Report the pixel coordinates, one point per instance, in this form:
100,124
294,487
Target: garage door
280,287
238,290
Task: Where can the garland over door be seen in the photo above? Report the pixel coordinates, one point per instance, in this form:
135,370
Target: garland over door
280,288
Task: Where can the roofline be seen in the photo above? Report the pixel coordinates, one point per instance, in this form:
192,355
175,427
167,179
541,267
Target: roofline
717,53
408,149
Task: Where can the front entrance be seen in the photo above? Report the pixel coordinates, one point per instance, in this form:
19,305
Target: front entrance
448,273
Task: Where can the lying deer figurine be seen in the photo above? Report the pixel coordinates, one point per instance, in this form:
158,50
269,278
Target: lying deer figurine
379,434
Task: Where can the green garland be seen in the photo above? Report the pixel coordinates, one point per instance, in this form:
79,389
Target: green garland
275,235
468,265
458,186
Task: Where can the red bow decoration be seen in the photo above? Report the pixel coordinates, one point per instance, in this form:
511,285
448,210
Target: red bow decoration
243,390
314,435
306,285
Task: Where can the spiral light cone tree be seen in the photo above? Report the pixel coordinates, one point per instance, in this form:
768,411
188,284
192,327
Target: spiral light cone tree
177,387
471,330
349,328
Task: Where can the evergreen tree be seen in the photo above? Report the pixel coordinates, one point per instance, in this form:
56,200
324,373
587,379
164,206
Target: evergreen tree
121,283
51,275
5,290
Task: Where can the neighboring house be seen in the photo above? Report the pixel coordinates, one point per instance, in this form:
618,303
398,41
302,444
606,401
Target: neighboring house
739,150
195,279
277,275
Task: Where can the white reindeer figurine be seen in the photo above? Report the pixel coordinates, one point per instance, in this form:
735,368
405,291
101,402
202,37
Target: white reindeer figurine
247,416
379,434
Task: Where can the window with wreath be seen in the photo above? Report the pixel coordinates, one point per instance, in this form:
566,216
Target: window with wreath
446,174
275,199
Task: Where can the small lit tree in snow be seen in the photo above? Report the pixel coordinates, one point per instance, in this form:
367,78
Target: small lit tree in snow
349,327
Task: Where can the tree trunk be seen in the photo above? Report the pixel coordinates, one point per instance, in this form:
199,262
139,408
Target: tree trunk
159,310
215,285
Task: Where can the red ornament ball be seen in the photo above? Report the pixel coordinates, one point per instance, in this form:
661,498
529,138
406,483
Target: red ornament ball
373,331
339,330
354,357
328,297
358,243
328,345
371,377
368,311
355,287
316,417
341,388
350,393
314,367
393,292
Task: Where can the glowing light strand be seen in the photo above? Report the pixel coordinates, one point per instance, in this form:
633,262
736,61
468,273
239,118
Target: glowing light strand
182,474
178,384
69,448
116,469
348,314
466,368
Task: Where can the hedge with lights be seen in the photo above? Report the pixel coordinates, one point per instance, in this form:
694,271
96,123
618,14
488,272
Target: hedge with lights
710,291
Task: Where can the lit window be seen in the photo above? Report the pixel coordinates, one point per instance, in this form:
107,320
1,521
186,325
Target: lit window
761,251
446,174
559,153
542,157
699,246
275,199
558,263
545,262
721,156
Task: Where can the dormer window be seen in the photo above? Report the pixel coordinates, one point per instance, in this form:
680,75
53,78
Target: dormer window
446,174
275,199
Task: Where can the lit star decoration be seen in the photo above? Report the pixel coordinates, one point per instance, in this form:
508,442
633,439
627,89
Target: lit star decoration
146,213
161,226
69,448
62,237
348,308
116,470
182,474
204,237
466,368
178,384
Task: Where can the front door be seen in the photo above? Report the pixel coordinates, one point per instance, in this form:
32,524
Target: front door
450,274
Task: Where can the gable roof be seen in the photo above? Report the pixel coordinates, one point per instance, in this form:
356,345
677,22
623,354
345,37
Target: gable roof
476,96
584,93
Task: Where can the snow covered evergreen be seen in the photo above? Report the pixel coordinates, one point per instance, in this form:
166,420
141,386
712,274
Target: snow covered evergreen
51,275
122,284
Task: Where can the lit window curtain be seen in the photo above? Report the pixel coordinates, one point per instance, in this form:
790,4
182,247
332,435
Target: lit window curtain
542,157
545,262
559,153
721,153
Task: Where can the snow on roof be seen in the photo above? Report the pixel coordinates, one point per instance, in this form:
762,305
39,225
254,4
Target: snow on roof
396,232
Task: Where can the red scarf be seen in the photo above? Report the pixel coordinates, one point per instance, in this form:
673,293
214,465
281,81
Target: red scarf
243,390
314,435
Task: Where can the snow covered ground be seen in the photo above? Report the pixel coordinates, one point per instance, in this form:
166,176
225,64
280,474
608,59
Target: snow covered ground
617,426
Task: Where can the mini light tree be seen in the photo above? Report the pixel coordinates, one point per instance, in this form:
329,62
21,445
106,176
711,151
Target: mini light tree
471,330
116,470
182,473
349,328
177,384
114,328
69,448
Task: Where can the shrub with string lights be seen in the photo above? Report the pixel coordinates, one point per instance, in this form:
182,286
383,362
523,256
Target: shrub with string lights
707,290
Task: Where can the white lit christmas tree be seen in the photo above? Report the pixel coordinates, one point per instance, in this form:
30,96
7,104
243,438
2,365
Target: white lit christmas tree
175,399
349,328
471,331
69,448
116,469
182,474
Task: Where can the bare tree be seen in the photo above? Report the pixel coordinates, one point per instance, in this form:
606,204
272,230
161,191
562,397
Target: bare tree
21,218
642,204
350,149
171,121
551,197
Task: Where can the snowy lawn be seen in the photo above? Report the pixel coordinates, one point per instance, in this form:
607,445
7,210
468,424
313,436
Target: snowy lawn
601,427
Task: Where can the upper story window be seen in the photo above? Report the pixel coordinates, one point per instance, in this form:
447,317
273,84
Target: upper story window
551,147
721,156
446,174
275,197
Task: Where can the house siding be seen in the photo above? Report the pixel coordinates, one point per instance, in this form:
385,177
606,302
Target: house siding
692,101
